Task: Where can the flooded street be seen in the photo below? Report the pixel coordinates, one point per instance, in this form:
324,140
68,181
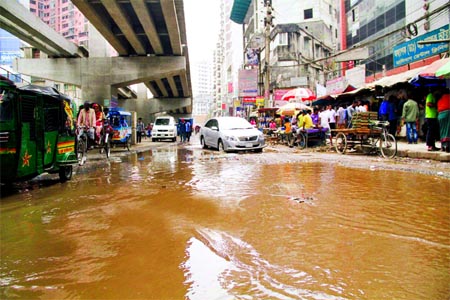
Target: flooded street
187,223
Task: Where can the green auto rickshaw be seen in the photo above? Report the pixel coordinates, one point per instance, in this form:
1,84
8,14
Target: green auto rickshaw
36,132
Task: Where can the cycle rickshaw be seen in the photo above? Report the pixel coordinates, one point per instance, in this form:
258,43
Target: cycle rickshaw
367,134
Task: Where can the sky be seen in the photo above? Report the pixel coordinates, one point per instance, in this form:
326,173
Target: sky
202,25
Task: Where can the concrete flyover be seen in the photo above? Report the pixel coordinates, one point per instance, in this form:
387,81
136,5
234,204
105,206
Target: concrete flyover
150,39
150,29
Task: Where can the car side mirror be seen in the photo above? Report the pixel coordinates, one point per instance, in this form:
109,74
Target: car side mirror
215,128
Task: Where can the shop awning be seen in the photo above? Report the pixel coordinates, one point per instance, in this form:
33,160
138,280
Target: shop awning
391,80
239,11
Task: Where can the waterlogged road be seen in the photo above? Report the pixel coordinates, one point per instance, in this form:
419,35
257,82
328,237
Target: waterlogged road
186,223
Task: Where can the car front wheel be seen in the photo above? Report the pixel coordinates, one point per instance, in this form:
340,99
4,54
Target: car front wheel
220,146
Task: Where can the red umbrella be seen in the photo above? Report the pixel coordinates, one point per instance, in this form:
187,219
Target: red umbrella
303,94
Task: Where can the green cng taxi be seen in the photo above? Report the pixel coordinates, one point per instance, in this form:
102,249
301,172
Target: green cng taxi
36,132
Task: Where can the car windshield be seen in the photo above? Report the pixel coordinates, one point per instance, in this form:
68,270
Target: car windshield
234,124
162,121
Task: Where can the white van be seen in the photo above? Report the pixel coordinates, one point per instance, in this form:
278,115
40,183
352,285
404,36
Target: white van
164,127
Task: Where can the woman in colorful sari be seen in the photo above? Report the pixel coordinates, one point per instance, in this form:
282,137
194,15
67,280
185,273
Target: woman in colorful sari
99,116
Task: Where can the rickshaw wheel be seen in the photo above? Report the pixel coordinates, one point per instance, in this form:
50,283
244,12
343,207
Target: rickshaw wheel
65,173
108,148
81,151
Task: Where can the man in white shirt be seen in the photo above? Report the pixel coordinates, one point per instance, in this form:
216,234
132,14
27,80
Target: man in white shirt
331,116
324,117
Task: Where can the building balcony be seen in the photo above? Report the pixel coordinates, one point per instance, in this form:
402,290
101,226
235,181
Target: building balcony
284,53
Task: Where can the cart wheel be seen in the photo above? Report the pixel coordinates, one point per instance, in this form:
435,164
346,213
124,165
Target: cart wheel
340,143
388,146
65,173
302,143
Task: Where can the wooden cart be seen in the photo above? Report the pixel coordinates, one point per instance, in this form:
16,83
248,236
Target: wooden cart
366,134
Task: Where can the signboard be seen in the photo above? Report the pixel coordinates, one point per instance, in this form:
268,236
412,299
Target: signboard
412,51
320,90
230,87
260,101
247,100
336,86
356,76
248,83
278,94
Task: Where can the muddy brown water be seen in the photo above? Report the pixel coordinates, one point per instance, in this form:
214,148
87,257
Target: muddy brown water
179,224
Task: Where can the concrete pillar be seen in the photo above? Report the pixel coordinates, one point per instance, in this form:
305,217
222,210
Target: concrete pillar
98,46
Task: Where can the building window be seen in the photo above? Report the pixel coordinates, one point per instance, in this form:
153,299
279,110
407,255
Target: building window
308,14
283,38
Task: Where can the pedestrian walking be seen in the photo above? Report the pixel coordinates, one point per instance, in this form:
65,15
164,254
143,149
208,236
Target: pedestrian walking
410,116
188,127
140,130
183,130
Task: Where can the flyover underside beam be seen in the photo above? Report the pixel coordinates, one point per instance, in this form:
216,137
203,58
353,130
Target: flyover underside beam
101,24
159,105
122,21
34,29
120,71
148,24
170,15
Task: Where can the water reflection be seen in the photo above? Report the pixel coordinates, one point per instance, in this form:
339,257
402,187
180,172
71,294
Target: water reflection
186,223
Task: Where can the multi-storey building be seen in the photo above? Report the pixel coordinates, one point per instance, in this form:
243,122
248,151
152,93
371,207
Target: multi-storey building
307,33
228,58
384,25
202,87
63,17
303,34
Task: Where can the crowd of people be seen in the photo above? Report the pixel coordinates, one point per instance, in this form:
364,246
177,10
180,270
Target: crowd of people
424,114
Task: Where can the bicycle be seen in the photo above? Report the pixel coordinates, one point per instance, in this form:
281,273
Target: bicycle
82,144
383,143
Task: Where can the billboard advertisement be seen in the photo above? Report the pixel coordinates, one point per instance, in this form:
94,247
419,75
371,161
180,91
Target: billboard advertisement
248,83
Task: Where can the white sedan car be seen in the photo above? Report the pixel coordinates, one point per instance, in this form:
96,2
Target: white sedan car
231,134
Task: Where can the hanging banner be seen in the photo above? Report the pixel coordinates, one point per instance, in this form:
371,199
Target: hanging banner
252,56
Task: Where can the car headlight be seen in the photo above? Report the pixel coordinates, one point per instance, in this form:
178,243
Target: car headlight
231,138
